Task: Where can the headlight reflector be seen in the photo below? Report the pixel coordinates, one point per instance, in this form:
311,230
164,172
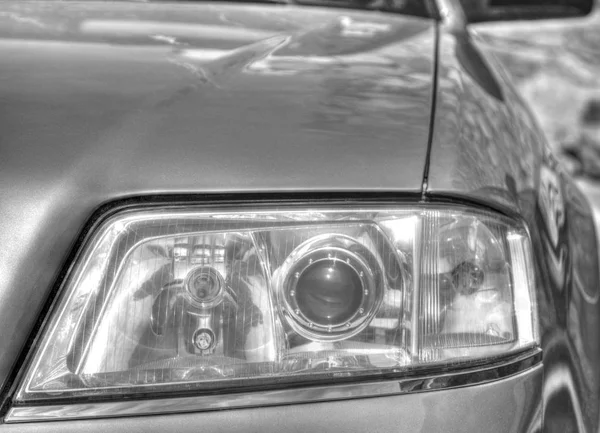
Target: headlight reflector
202,298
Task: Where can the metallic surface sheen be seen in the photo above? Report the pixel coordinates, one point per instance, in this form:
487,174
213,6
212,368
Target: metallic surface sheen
475,376
107,100
215,98
509,405
487,147
485,142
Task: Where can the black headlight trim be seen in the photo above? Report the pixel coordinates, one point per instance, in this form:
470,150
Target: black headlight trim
437,377
522,363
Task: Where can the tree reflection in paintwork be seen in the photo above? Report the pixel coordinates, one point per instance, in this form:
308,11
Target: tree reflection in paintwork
369,74
480,148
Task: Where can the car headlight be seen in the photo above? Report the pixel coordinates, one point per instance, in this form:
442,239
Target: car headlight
212,299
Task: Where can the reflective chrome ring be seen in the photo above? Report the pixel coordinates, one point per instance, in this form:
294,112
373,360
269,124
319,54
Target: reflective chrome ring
204,339
334,249
205,297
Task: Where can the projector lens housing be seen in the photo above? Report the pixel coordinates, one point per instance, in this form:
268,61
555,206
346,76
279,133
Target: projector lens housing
199,298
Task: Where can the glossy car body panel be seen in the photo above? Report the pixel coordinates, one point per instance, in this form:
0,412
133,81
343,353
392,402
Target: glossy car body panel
239,99
487,147
295,99
509,406
478,148
431,380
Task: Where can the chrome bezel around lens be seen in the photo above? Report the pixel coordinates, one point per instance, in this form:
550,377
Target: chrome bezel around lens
331,248
212,273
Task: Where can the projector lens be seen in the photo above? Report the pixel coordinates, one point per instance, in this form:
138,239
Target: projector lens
329,292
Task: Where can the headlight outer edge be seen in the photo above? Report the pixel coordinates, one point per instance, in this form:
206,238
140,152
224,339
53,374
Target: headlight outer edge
289,200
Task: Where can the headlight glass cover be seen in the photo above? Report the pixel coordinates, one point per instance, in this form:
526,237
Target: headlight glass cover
216,298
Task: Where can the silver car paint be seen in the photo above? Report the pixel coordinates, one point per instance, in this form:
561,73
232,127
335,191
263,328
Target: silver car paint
297,99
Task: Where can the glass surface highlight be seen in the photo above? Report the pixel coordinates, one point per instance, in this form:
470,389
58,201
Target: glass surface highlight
217,298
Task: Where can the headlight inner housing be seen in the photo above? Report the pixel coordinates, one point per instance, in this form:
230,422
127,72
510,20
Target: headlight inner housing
215,298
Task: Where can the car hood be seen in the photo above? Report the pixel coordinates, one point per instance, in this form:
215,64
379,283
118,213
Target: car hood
110,100
139,98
